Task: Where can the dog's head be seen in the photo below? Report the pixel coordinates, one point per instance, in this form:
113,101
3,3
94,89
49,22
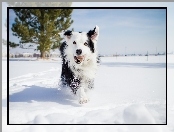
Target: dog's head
81,44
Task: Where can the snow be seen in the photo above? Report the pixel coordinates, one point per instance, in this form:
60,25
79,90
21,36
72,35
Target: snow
128,90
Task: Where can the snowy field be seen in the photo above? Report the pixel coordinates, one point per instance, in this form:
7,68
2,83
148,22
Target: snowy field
128,90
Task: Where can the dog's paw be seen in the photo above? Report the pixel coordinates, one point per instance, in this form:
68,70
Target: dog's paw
83,100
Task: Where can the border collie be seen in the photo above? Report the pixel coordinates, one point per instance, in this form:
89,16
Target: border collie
79,61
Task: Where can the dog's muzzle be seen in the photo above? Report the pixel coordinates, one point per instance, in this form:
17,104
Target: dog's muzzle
78,59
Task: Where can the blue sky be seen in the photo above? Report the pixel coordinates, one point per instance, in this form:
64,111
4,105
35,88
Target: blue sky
137,31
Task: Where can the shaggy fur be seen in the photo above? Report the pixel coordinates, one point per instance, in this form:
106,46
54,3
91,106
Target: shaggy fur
79,61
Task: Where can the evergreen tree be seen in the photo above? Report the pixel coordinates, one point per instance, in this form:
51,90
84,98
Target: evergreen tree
35,4
41,26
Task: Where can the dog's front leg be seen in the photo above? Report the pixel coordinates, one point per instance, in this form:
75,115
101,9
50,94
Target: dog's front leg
82,95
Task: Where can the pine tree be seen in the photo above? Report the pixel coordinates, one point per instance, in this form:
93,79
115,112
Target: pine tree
41,26
35,4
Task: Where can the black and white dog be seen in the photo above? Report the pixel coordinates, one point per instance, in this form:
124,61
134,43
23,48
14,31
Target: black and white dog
79,61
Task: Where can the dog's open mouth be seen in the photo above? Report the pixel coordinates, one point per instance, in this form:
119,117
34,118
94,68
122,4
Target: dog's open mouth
79,59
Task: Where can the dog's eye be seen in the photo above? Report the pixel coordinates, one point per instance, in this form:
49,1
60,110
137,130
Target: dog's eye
86,44
74,42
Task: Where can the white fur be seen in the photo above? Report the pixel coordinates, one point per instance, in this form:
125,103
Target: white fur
88,65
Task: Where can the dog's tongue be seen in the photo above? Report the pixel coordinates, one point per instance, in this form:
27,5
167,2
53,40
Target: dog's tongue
78,59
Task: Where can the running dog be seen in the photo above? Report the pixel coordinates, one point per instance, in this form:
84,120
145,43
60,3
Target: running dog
79,61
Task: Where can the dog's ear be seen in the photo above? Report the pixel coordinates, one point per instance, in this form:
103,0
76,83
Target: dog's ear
66,34
94,34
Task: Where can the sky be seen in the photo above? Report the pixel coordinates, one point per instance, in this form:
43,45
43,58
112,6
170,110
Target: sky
124,31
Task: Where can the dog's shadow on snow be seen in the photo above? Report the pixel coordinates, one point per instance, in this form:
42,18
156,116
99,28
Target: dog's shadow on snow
35,93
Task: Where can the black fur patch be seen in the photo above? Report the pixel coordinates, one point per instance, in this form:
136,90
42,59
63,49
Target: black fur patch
68,33
67,76
91,32
62,48
90,43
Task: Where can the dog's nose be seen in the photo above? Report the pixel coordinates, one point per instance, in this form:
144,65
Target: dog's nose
78,51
